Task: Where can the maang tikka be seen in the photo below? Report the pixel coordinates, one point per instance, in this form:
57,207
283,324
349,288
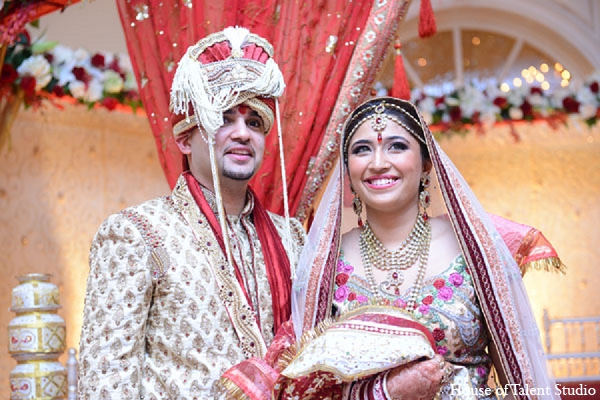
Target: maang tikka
424,198
379,122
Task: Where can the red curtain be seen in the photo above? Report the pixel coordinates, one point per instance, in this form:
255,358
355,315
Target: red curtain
314,43
14,15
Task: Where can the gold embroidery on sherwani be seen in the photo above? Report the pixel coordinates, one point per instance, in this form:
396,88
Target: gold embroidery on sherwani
230,292
154,325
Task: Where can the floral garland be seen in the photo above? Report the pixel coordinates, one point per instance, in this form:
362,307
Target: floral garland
47,70
472,107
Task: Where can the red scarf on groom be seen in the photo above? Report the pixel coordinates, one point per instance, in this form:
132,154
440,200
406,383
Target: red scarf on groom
277,262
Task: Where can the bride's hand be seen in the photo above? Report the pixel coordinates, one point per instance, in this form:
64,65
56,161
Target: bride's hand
418,380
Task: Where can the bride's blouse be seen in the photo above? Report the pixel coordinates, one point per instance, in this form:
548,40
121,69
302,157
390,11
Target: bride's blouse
446,305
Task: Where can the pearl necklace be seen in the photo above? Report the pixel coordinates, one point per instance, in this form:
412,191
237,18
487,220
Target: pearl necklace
414,249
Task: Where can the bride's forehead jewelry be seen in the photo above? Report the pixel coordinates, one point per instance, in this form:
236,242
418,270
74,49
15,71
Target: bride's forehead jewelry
379,121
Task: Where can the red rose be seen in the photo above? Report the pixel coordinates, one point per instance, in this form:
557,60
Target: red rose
570,105
114,65
455,114
28,85
439,101
132,95
501,102
595,87
341,279
438,334
428,300
58,91
81,74
527,110
9,75
352,296
49,57
439,283
110,103
536,90
97,60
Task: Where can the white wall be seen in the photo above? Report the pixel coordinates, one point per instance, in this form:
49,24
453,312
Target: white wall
92,25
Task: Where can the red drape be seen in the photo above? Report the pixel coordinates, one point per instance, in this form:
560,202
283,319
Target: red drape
314,43
15,15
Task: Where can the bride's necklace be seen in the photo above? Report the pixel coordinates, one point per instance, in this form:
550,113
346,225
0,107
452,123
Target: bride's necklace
414,249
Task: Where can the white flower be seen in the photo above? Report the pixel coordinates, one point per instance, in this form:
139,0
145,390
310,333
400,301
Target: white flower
63,75
130,82
94,91
113,83
585,95
125,63
472,100
517,95
493,91
77,89
538,101
82,57
427,105
61,55
38,67
556,99
595,77
515,113
587,110
452,101
427,117
488,117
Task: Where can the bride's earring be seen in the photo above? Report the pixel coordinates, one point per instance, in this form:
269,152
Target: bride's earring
357,207
424,198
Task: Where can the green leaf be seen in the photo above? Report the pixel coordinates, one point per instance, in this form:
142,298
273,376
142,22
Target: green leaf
42,47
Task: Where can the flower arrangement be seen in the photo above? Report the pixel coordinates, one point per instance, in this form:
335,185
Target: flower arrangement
471,106
47,70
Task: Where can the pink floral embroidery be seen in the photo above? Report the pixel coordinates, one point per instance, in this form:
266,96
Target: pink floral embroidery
445,293
400,303
427,300
442,350
481,371
438,334
341,293
439,283
341,279
362,299
456,279
424,309
343,267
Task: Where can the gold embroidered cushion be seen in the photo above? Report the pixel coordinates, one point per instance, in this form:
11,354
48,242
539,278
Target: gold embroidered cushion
360,343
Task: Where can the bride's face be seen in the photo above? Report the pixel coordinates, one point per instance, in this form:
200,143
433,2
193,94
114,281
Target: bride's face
385,174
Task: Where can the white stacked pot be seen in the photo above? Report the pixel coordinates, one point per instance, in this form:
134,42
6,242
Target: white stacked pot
36,339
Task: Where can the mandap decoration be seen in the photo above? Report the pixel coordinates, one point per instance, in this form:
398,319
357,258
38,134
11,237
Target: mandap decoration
37,338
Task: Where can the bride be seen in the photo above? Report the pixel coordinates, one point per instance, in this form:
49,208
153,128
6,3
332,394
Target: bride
426,262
